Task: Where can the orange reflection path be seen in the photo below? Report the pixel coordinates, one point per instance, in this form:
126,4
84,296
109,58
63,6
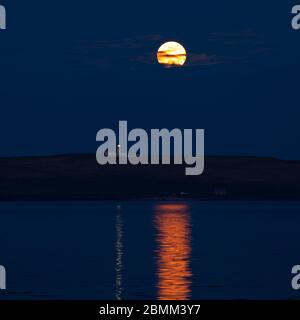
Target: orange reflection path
174,251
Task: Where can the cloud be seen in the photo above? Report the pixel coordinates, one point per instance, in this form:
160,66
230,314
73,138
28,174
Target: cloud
203,59
219,48
246,36
193,59
107,54
126,43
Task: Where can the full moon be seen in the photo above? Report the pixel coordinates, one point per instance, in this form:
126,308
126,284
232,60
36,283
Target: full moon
171,54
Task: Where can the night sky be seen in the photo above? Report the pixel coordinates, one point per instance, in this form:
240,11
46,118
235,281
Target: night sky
70,68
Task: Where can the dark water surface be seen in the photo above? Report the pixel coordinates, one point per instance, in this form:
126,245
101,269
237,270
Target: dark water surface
149,250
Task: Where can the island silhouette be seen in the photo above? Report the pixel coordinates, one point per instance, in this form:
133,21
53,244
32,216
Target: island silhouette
79,177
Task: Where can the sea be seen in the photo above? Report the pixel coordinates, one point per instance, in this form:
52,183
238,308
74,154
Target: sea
150,249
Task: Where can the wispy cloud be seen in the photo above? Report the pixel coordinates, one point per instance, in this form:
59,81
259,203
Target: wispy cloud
242,46
128,43
105,54
220,48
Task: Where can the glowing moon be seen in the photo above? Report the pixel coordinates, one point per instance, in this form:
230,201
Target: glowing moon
171,54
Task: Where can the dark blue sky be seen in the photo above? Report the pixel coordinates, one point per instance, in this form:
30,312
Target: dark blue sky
70,68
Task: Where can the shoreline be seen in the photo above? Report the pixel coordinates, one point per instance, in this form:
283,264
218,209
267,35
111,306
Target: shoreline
80,178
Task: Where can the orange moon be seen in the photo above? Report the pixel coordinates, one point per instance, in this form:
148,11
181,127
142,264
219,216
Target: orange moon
171,54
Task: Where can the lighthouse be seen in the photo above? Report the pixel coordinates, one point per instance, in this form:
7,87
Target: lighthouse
118,150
